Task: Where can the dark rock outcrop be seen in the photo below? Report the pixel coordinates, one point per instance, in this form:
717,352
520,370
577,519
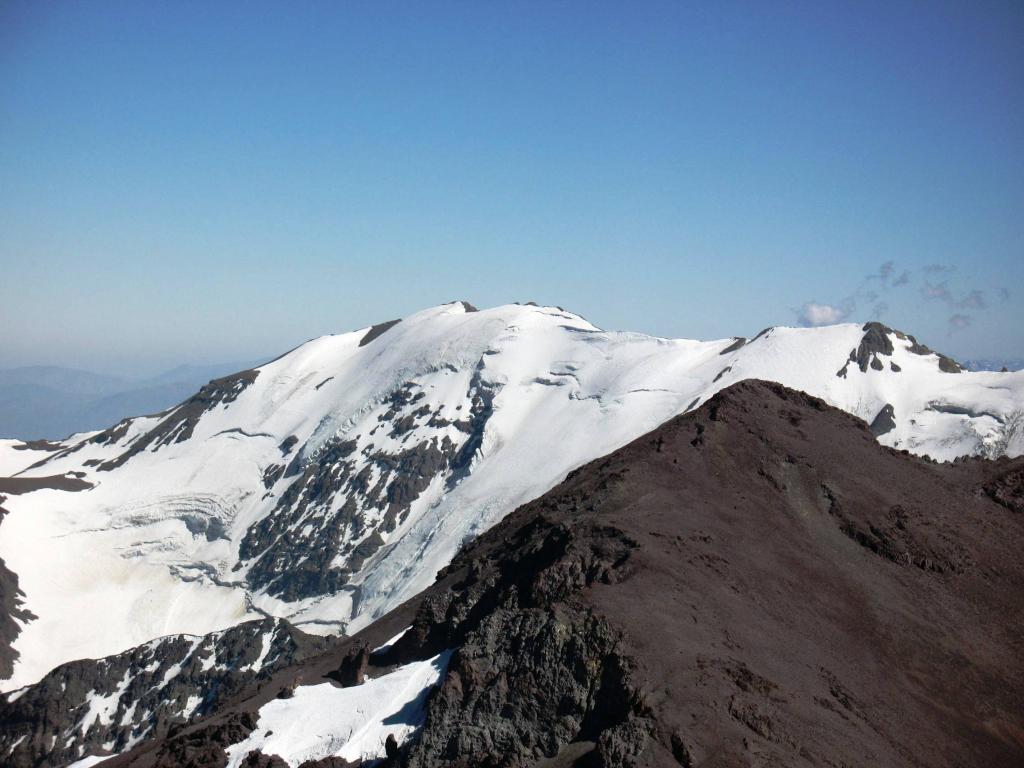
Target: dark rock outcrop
178,424
19,485
377,331
202,746
1007,488
318,534
875,344
535,667
352,669
12,611
148,690
737,344
946,364
884,421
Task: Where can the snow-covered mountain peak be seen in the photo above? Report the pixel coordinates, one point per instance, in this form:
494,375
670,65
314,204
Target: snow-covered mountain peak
332,483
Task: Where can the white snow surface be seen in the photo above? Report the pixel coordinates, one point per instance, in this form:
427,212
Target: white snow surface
88,762
123,562
15,455
352,723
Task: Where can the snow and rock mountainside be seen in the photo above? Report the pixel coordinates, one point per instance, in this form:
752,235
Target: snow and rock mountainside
331,484
111,704
755,583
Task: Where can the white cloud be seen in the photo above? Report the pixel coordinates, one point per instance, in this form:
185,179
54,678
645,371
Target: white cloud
814,314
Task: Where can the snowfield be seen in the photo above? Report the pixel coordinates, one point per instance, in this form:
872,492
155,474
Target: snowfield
352,723
16,456
330,485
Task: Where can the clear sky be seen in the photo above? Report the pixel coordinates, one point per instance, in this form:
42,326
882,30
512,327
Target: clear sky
192,182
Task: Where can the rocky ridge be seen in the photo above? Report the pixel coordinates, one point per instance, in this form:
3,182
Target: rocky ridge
109,705
755,583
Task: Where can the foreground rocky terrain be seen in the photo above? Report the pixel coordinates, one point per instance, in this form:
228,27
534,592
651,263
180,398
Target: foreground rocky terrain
111,704
757,582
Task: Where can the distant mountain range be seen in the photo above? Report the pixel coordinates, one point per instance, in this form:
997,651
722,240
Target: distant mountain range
994,364
52,402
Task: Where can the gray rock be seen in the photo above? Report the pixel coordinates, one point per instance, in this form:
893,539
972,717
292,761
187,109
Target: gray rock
147,690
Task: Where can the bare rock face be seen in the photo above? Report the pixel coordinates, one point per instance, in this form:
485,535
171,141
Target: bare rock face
755,583
181,420
203,746
378,330
876,344
535,667
884,422
1007,488
352,670
12,611
296,549
91,706
747,585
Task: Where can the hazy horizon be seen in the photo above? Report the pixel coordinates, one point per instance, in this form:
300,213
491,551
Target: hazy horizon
192,183
140,369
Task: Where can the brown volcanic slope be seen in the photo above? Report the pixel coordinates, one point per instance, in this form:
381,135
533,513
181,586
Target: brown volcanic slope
756,583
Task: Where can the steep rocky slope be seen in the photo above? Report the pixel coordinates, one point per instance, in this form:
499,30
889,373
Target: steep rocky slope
111,704
330,485
754,583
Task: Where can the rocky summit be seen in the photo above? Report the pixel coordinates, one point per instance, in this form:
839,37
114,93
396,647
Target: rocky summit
757,582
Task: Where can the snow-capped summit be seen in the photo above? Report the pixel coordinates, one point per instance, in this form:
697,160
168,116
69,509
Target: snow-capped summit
332,483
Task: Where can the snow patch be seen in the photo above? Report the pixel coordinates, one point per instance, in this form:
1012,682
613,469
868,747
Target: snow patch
351,723
387,646
102,707
88,762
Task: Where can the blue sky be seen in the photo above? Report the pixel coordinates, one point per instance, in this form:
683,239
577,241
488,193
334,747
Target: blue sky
192,182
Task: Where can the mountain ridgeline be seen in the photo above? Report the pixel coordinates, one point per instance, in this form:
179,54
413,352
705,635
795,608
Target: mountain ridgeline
754,583
329,485
328,488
